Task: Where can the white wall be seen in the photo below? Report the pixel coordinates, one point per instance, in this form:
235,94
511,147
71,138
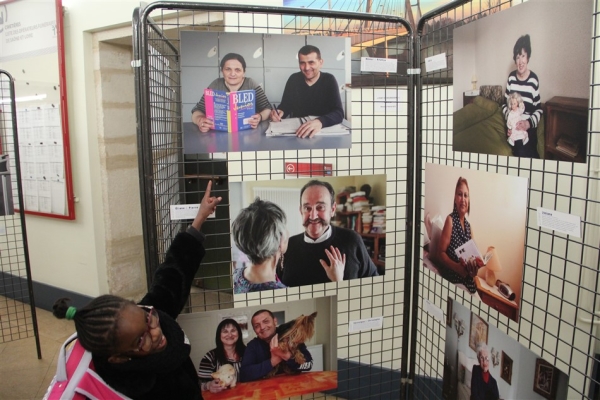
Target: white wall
560,34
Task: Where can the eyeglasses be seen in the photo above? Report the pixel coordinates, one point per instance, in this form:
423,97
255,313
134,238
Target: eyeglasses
481,358
145,342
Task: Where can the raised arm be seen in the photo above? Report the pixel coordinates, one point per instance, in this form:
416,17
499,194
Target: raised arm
173,278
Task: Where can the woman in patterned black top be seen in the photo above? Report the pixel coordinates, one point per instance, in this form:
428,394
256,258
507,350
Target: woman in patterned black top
457,231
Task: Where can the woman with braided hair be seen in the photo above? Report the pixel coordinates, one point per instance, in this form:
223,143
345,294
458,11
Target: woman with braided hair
139,349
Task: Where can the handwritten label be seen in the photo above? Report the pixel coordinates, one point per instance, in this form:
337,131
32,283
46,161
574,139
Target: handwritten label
436,62
433,310
558,221
365,324
185,211
372,64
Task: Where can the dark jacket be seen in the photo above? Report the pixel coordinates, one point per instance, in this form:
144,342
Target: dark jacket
171,373
481,390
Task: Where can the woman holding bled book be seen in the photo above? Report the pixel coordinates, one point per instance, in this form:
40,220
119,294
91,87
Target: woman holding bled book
233,69
456,232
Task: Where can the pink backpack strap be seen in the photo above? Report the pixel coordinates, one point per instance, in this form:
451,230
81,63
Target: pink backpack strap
75,377
94,388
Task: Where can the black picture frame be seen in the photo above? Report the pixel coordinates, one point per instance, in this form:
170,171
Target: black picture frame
506,368
545,379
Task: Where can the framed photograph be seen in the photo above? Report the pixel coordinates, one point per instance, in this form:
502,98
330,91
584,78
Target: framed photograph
449,313
478,332
545,379
506,368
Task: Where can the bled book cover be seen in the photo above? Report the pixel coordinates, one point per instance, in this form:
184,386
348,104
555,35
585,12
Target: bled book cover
215,103
230,111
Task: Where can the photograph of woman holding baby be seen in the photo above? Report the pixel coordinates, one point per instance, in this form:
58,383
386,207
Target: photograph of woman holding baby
526,83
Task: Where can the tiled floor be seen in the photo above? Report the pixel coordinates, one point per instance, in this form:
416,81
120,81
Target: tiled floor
23,375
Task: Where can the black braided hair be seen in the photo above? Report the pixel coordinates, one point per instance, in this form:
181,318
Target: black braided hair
95,323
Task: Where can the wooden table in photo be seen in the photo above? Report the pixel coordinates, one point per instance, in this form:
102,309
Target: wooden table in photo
280,386
494,299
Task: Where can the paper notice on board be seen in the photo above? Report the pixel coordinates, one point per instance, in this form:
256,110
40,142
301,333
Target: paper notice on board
434,310
558,221
185,211
372,64
436,62
365,324
389,100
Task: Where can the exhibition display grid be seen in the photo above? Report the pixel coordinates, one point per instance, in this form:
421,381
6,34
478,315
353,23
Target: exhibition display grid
401,121
17,305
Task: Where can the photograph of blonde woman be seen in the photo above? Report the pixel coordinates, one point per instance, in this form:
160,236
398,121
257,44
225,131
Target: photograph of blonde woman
488,264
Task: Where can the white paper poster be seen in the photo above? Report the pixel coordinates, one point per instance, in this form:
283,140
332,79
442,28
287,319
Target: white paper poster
27,29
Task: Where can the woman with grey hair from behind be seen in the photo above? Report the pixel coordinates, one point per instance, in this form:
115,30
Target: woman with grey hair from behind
259,231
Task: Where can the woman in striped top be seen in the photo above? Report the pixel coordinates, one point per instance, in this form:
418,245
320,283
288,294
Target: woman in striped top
525,82
230,350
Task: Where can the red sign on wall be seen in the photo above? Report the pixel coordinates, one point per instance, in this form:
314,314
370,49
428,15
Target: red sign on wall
308,169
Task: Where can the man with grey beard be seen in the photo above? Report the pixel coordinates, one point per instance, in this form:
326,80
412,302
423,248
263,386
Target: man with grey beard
323,253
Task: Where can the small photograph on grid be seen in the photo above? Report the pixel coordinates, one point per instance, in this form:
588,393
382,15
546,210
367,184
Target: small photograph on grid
480,362
474,233
232,349
522,81
306,231
253,92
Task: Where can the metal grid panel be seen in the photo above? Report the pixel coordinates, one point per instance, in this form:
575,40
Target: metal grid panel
381,144
560,278
17,307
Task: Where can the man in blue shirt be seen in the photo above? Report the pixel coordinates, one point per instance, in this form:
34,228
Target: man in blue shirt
262,353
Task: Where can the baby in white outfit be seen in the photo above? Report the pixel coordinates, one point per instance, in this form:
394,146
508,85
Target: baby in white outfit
516,114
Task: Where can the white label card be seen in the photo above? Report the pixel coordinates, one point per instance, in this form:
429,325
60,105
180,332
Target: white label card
558,221
372,64
436,62
365,324
434,310
185,211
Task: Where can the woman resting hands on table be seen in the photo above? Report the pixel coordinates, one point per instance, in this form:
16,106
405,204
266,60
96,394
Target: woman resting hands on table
233,68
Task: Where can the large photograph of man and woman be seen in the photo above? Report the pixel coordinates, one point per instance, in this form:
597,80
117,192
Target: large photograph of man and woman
296,86
474,233
482,363
516,93
297,232
266,351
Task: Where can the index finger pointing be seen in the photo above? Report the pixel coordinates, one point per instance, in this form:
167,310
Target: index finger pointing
208,188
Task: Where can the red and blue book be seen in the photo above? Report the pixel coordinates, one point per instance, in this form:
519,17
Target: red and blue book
231,111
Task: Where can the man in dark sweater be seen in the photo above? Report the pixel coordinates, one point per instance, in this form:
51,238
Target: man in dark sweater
262,354
323,253
310,92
